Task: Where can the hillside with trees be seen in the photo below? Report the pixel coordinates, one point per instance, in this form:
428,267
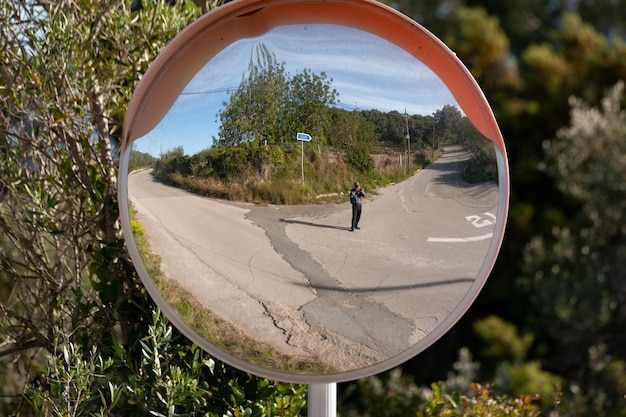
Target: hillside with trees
256,157
80,336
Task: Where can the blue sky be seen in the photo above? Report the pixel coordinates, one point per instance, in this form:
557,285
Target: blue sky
368,72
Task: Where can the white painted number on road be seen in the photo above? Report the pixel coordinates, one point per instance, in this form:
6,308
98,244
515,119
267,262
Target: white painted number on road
487,219
480,221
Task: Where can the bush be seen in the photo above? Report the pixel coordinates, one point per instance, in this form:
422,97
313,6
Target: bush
236,162
167,377
358,157
173,161
484,404
139,160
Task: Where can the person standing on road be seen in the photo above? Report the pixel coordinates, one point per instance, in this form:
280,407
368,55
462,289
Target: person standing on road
355,198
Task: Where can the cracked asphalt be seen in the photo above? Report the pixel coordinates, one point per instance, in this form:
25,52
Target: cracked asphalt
295,277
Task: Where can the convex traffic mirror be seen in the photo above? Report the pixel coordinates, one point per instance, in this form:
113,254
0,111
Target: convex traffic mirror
283,289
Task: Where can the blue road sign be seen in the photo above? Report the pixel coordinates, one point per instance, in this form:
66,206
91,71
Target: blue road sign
303,137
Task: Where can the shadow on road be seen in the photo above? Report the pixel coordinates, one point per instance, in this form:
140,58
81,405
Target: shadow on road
388,288
326,226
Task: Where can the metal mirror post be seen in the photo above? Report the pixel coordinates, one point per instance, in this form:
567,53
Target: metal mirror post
318,305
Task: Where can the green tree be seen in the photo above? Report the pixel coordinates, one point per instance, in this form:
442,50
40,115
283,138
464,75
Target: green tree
77,336
484,48
351,127
580,267
66,72
529,22
555,55
448,122
271,105
255,109
140,160
308,110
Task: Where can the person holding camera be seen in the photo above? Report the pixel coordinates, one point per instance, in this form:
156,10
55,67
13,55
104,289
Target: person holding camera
355,198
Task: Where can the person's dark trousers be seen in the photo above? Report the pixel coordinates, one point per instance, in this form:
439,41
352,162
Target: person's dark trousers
356,215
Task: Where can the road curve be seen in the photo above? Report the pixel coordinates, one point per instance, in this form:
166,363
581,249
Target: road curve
296,278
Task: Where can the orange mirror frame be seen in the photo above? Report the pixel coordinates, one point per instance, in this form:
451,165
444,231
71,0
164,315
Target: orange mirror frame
201,41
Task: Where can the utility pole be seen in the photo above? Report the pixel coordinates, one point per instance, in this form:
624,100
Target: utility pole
432,152
408,141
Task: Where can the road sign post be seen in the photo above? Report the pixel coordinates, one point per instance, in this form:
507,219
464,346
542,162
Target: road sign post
303,137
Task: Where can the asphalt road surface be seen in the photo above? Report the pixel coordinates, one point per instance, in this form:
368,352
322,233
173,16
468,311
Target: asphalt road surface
296,278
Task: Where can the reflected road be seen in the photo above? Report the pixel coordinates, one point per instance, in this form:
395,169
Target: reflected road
295,277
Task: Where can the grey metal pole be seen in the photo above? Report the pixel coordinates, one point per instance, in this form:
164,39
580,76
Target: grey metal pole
322,400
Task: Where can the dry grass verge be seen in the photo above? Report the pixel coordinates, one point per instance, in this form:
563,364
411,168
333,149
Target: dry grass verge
220,333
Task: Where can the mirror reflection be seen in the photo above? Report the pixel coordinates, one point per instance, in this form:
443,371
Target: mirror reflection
240,205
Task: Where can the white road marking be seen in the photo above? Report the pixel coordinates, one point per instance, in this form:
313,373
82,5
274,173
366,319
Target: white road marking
460,239
479,221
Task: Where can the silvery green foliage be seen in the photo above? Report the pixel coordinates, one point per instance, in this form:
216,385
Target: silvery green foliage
169,378
76,332
578,273
590,159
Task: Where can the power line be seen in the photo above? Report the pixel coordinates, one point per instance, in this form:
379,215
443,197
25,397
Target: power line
199,93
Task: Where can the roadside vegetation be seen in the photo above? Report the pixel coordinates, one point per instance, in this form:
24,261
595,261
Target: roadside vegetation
80,336
211,327
257,159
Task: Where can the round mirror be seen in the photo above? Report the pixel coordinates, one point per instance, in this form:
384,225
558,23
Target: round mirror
240,147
